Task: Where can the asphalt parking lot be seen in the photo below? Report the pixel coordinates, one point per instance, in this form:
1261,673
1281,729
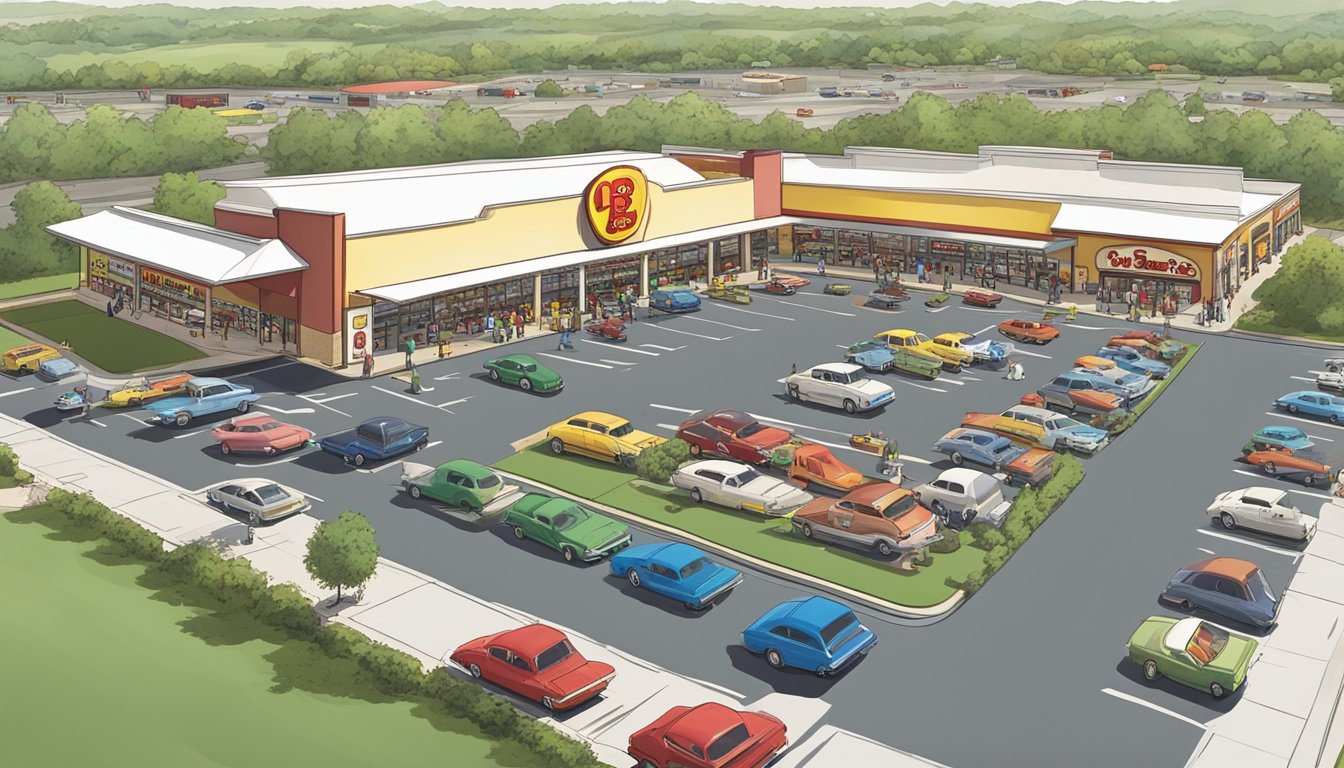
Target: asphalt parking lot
1032,668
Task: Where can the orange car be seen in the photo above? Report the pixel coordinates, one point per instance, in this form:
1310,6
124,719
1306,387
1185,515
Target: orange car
1276,461
814,464
803,112
793,280
1029,331
881,516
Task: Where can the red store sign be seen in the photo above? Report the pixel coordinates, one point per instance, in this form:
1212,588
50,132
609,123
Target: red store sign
1282,211
1145,260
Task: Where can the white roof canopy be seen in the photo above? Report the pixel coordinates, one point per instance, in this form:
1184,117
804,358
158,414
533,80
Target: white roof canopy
212,256
1043,244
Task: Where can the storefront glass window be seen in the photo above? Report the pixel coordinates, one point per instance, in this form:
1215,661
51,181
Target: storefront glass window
384,327
678,266
609,277
889,249
812,243
853,248
240,320
171,297
728,255
559,290
764,244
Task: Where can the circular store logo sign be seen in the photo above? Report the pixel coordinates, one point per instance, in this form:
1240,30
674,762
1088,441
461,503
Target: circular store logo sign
617,203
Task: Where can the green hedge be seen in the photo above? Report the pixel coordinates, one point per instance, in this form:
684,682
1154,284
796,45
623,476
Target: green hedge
236,583
9,466
657,464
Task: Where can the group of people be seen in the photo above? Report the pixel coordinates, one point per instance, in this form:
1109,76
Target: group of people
503,325
1213,310
626,300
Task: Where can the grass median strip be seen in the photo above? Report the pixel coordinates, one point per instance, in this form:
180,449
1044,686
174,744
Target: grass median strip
1133,416
109,343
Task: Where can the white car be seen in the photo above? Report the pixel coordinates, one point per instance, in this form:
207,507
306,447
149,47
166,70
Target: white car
840,385
1329,380
261,500
1262,509
738,486
961,495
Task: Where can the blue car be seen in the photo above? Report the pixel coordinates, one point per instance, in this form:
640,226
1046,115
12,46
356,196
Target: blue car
1127,359
1291,438
55,370
978,447
376,439
873,354
1135,386
204,397
678,571
811,633
674,300
1228,587
1316,404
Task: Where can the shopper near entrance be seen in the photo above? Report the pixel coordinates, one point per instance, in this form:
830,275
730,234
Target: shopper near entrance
920,275
947,279
519,324
368,363
564,334
821,266
410,350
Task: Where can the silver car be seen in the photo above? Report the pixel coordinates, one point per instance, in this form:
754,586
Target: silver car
961,495
1262,509
261,500
840,385
738,486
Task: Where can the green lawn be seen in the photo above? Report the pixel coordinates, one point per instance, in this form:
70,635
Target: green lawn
770,540
110,343
38,285
116,666
10,339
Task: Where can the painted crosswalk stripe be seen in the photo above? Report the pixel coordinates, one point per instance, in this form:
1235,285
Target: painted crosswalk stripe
688,333
725,325
665,349
572,360
625,349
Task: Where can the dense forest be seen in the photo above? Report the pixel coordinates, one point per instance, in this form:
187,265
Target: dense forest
1303,39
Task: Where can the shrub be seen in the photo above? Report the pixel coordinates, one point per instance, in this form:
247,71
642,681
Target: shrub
88,513
974,581
950,542
548,89
394,671
986,536
340,641
657,464
1016,530
284,607
996,557
9,462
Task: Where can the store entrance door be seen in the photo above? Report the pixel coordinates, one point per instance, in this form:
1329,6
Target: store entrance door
279,333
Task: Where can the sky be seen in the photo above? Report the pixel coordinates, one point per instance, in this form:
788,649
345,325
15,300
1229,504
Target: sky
533,3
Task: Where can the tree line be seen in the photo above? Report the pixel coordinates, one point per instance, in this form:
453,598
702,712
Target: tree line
465,43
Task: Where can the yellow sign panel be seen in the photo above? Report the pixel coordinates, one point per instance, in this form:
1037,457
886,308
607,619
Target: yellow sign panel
97,265
617,203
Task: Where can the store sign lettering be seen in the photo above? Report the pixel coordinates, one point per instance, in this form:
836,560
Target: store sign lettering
1287,208
617,203
98,266
122,269
1133,258
160,280
943,246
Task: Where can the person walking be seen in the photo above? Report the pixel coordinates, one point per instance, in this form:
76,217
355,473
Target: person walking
410,350
490,326
519,323
620,302
564,333
506,320
368,363
920,274
821,266
947,279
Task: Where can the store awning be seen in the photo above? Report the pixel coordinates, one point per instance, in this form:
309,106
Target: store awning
1046,245
432,286
209,255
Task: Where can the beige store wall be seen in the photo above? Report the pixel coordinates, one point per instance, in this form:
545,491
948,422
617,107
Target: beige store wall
522,232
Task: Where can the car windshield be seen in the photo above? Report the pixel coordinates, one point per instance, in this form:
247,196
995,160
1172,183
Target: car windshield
683,295
622,430
271,493
268,425
693,567
1064,422
489,481
569,518
833,630
554,655
194,391
900,506
1003,448
725,744
528,367
1207,642
745,477
749,429
1260,587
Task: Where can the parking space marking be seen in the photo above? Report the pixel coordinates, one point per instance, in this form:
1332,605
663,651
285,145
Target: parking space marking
436,442
935,311
725,325
1205,551
16,392
1304,421
311,496
452,375
1290,490
97,423
137,419
406,397
750,312
1154,707
923,386
455,402
287,413
1256,544
993,311
261,370
982,330
616,362
671,408
814,309
1098,328
948,380
270,463
665,349
572,360
623,349
688,333
379,469
1021,351
1318,437
1303,378
972,378
189,434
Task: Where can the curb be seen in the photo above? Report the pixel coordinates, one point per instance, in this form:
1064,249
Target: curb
940,611
1298,339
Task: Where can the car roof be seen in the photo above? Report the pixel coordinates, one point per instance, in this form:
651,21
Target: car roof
1294,430
954,335
601,417
531,640
703,724
1227,567
817,611
472,469
253,483
1272,495
716,465
897,332
259,418
28,349
962,475
1180,633
675,555
520,359
206,381
384,421
1031,410
734,418
972,432
869,494
837,367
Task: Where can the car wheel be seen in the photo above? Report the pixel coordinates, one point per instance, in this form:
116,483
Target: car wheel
243,406
1217,690
494,375
1185,605
182,419
525,384
695,450
268,450
694,606
474,670
225,449
518,533
1150,670
358,461
1334,418
414,491
697,496
884,549
794,393
1332,368
1292,408
422,445
823,672
134,402
1229,522
627,460
569,554
807,530
547,703
632,576
957,459
850,407
773,658
1268,467
557,446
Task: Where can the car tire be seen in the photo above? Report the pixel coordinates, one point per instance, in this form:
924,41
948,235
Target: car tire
525,384
414,490
850,407
134,402
807,530
1334,418
1150,670
182,419
883,548
794,392
1217,691
1185,605
693,607
695,450
1292,408
225,449
569,554
494,375
358,460
957,459
1333,368
1229,522
548,703
422,445
557,446
774,659
474,671
823,673
244,406
632,576
268,450
627,460
697,496
1268,467
518,533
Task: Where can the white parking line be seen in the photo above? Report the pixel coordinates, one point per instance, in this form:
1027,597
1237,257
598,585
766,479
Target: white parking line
1318,373
313,398
261,370
1098,328
137,419
1304,421
454,402
751,312
436,442
1302,378
971,378
1290,490
379,469
924,386
1205,551
982,330
946,380
665,349
97,423
616,362
406,397
1154,707
671,408
993,311
269,463
282,410
453,375
626,349
935,311
1257,545
1021,351
307,494
189,434
805,306
688,333
15,392
725,325
1318,437
572,360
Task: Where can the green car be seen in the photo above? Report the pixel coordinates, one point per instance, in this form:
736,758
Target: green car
875,356
460,483
1192,652
575,532
525,372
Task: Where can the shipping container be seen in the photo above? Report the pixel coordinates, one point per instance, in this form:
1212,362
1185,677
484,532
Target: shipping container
193,100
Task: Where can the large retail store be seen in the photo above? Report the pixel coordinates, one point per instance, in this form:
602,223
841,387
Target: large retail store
332,266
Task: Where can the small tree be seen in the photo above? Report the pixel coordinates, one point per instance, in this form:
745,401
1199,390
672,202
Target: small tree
657,464
342,552
549,89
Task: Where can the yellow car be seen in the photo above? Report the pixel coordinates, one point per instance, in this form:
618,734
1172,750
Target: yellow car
141,391
919,343
600,436
948,346
28,358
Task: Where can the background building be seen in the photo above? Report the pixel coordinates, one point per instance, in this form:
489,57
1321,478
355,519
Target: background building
768,82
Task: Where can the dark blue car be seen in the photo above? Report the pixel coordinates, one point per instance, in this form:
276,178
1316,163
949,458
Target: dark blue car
1228,587
1126,359
811,633
674,300
678,571
376,439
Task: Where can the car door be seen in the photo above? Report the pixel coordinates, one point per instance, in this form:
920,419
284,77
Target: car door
598,443
452,489
251,502
1276,521
1180,667
1232,598
662,580
709,482
495,667
817,388
811,654
228,495
1204,591
539,528
842,516
731,494
954,496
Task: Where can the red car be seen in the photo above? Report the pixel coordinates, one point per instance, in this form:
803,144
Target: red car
709,736
536,662
781,286
1030,331
981,298
732,434
793,280
259,434
608,328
